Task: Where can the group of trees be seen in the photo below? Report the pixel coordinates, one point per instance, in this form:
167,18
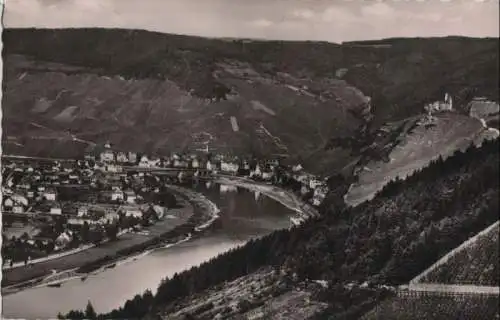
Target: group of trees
388,240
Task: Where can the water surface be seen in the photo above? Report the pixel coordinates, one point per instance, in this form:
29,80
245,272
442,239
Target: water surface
244,215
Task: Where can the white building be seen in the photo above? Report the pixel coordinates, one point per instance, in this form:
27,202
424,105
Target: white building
8,203
49,195
297,168
210,166
113,168
144,162
63,240
19,199
314,183
230,167
109,216
121,157
117,195
83,211
130,196
107,156
257,172
55,210
132,157
18,209
267,175
195,164
133,212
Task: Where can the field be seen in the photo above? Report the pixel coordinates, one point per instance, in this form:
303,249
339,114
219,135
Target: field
477,264
435,307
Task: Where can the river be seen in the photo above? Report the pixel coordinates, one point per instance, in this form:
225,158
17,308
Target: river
244,215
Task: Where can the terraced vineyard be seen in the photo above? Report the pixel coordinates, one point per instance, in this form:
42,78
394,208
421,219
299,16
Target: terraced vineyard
432,307
476,264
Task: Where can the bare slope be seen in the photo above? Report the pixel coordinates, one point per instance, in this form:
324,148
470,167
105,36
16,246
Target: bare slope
153,92
45,112
417,146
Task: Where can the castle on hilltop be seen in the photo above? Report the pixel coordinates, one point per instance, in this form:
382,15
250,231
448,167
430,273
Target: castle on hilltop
446,105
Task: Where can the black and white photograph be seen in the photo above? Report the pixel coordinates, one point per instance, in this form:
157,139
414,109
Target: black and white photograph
250,159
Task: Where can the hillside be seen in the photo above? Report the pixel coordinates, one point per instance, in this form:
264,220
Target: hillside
344,258
155,92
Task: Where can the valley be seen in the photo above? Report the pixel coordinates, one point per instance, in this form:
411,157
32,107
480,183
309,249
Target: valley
342,171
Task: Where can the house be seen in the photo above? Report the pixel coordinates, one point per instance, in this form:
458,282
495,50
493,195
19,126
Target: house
230,167
8,203
132,212
267,175
18,208
24,186
49,194
314,183
195,163
55,211
80,221
113,168
121,157
257,172
83,211
130,196
107,154
297,168
20,200
30,194
109,217
144,162
132,157
179,163
63,240
117,195
246,165
210,166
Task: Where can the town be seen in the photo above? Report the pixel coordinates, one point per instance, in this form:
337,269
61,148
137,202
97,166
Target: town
52,207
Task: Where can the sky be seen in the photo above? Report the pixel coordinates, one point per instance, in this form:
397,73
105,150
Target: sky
326,20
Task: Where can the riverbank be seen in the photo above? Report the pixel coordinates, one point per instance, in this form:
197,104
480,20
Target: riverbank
176,227
285,197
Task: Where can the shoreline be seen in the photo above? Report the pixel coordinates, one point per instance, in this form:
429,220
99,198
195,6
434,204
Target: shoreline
201,207
283,196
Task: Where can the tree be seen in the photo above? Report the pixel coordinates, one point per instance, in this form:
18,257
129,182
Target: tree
111,231
85,232
90,312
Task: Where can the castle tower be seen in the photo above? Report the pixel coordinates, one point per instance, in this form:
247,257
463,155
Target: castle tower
448,100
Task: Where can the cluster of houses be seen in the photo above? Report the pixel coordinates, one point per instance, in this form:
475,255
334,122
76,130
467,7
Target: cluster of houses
30,189
310,184
262,170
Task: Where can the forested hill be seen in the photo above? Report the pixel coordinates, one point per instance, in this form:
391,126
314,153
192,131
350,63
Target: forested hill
400,74
387,241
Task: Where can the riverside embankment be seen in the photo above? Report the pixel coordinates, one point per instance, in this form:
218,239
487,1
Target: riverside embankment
244,215
194,210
